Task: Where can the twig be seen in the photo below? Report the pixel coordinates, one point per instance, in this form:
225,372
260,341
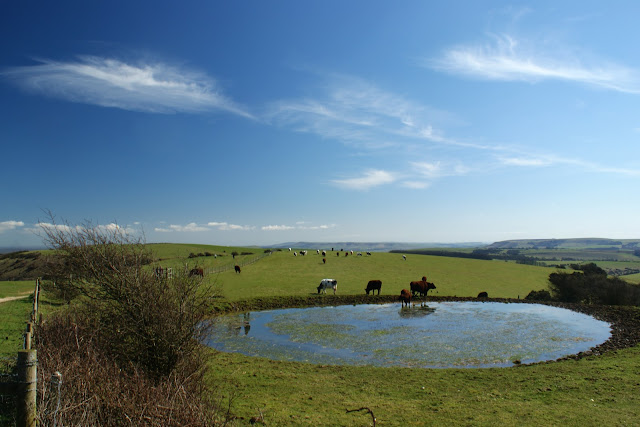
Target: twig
373,418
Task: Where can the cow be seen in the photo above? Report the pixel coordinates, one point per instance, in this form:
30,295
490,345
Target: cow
328,283
483,295
404,257
372,286
324,253
196,272
324,260
368,253
237,268
421,287
405,297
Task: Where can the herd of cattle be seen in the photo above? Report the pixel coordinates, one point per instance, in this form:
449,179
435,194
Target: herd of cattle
419,287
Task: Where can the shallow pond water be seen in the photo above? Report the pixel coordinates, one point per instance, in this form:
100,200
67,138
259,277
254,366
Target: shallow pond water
440,335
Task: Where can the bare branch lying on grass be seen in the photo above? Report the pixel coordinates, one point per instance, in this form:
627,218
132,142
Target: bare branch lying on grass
373,418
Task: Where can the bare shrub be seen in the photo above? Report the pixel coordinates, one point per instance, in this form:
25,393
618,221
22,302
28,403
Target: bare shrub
141,318
96,391
135,341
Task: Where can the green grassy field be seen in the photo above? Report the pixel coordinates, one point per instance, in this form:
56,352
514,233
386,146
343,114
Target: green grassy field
282,273
597,390
592,391
16,288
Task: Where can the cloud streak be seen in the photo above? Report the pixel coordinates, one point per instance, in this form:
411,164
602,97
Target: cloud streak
10,225
508,59
369,179
106,82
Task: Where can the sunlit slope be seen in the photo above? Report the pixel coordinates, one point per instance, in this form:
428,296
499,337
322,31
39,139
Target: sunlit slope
282,273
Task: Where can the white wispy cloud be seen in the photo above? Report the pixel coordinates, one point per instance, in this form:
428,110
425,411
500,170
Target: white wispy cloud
369,179
107,82
10,225
357,112
507,58
227,226
188,228
277,227
300,225
525,161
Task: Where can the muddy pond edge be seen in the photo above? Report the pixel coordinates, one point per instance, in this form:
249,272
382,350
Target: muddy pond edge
624,320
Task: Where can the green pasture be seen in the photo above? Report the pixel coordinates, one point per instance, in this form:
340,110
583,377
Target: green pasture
593,391
599,390
16,288
176,255
282,274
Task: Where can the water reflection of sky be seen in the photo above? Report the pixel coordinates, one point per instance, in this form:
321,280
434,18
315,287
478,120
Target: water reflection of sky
446,334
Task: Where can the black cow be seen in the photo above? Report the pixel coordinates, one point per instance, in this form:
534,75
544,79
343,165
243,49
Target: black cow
237,268
372,286
483,295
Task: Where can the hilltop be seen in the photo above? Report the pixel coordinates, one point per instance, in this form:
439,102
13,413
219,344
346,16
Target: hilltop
580,243
373,246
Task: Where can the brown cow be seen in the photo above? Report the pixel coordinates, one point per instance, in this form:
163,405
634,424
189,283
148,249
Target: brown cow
237,268
372,286
196,272
421,287
324,260
405,297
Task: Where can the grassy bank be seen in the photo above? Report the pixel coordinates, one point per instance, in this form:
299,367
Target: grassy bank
599,390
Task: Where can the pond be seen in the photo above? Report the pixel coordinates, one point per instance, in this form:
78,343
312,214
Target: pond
437,335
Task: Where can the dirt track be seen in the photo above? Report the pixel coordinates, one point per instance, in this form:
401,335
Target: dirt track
5,299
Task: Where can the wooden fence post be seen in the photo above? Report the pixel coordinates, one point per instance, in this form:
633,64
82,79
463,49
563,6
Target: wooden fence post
26,387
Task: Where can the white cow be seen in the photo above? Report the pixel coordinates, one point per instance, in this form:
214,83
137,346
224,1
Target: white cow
328,283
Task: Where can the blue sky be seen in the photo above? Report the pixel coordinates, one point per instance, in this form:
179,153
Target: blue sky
253,122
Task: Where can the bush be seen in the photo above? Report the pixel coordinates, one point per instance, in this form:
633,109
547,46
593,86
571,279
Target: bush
96,391
146,322
542,295
592,286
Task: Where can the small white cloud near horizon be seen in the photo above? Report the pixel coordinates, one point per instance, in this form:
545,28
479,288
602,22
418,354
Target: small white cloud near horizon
509,59
371,178
277,227
189,228
10,225
227,226
151,88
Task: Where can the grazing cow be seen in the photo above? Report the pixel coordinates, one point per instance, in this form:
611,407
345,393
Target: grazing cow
328,283
404,257
372,286
483,295
346,254
196,272
324,253
421,287
368,253
405,297
324,260
237,267
338,253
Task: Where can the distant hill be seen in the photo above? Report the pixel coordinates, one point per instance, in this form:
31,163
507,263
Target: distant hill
373,246
582,243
